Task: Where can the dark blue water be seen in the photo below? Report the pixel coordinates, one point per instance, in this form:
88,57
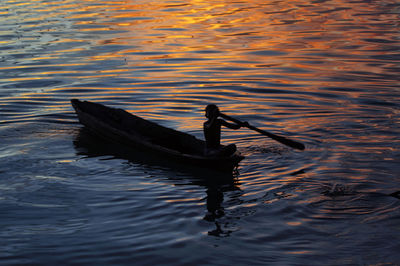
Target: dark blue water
325,73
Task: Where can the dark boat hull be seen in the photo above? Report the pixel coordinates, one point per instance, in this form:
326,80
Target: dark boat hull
140,134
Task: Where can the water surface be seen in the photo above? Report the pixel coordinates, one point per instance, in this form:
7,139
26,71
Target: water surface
325,73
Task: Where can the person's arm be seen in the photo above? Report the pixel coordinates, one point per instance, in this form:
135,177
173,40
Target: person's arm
230,125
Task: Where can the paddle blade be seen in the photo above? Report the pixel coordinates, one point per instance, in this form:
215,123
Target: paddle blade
283,140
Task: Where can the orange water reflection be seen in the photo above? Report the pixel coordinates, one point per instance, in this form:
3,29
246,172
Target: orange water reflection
284,66
324,73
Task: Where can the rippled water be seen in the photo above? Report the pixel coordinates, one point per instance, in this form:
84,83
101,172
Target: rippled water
325,73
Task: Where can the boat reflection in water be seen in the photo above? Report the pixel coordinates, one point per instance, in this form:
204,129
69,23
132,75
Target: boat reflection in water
216,183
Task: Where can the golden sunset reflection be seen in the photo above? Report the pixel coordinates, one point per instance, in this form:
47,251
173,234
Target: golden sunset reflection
265,62
322,73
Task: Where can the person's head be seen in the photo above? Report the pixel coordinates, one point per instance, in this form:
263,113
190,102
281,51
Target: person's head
212,111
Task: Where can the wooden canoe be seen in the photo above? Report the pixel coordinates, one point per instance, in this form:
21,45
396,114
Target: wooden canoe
137,133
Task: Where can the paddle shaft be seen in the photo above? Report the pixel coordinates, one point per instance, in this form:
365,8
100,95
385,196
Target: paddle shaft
283,140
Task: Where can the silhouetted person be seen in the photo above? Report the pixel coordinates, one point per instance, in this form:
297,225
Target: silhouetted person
212,133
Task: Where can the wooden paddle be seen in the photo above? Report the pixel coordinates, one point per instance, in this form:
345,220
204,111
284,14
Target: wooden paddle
283,140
